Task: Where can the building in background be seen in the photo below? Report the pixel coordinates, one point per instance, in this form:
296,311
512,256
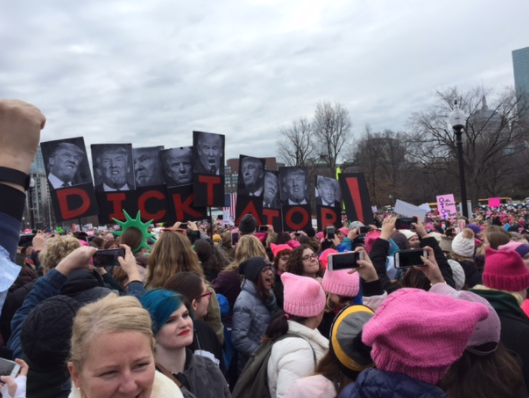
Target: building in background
520,63
39,211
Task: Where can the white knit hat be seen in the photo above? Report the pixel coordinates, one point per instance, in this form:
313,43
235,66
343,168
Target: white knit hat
458,273
463,244
407,233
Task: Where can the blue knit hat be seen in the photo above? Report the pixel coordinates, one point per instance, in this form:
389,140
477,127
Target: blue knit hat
161,304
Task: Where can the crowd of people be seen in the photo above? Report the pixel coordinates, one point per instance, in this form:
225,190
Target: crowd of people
186,313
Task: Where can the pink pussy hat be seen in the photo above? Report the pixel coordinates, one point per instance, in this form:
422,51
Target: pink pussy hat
303,296
421,334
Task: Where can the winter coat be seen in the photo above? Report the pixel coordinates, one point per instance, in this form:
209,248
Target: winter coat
514,323
206,344
472,275
162,387
203,378
293,358
251,318
374,383
316,386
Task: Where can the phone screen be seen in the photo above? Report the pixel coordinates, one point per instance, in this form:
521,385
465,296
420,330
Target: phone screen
343,261
6,367
364,230
409,258
330,233
263,228
234,238
109,257
405,223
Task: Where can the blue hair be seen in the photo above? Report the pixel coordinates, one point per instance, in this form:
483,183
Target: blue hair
161,304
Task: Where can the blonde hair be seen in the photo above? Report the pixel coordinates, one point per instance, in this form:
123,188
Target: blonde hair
56,249
111,314
249,246
172,253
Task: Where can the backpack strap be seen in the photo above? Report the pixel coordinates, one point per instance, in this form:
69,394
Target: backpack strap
165,372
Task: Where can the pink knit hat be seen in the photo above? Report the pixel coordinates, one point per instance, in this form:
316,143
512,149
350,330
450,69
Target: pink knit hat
341,283
344,231
303,296
324,256
293,244
371,237
279,248
421,334
505,270
521,248
487,330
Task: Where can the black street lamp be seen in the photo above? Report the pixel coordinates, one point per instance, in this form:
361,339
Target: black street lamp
457,119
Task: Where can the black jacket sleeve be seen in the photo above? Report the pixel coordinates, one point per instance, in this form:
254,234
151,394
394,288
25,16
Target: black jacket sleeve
441,259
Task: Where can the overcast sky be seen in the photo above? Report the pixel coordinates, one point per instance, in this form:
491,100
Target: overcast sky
151,72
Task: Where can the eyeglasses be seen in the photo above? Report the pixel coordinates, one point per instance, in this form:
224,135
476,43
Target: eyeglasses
309,257
208,295
267,269
284,258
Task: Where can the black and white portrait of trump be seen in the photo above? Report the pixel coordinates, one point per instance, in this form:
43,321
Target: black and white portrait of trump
177,166
66,163
210,153
327,192
113,167
148,167
251,176
294,186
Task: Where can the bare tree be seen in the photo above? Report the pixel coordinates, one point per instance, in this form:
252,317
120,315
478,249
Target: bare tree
492,137
332,130
382,158
295,145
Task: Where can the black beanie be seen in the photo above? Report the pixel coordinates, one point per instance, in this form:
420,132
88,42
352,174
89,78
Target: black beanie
46,332
247,225
252,267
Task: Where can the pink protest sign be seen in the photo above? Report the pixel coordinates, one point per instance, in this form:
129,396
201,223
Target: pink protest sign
494,202
447,206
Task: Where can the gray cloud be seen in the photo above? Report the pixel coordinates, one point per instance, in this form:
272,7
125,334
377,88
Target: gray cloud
151,72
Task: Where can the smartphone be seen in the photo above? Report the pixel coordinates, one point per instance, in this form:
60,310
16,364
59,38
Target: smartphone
409,258
183,225
297,233
263,228
405,223
347,260
234,238
108,257
364,230
9,368
449,232
330,233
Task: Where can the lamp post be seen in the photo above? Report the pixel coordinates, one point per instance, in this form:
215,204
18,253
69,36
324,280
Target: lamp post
457,119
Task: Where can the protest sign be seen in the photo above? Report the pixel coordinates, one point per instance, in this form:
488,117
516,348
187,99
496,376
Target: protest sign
446,206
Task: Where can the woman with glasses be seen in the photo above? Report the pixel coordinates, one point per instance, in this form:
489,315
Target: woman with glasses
304,262
193,287
173,332
254,307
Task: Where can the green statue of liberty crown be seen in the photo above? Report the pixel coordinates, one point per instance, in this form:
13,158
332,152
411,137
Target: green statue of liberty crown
135,223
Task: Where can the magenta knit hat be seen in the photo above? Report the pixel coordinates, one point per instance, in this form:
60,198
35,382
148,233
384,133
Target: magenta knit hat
279,248
421,334
487,330
505,270
341,283
324,256
303,296
521,248
344,230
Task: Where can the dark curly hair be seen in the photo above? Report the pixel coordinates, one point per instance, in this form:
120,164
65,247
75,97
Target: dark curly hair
295,262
